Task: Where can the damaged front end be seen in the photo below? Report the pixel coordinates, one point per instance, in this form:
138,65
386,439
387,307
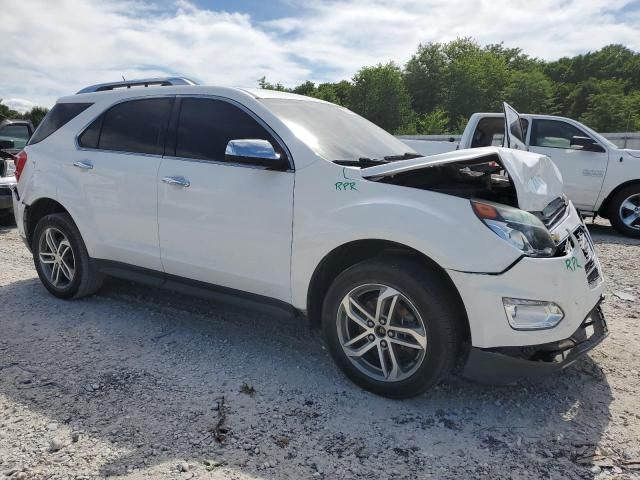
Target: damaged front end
507,365
515,178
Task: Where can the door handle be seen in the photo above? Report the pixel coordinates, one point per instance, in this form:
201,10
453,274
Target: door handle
179,181
83,164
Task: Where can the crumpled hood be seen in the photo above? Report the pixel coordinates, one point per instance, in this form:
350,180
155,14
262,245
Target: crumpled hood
536,178
633,153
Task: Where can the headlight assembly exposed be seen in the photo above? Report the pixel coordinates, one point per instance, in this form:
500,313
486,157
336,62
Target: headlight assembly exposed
521,229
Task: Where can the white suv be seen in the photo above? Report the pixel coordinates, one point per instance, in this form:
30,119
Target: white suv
414,267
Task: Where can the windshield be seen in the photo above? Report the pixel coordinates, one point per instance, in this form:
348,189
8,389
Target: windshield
335,133
16,133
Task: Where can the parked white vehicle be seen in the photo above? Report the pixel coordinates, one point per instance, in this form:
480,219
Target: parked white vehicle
600,178
414,267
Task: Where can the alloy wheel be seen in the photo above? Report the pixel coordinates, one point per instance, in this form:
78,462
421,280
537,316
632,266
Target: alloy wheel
56,257
630,211
381,332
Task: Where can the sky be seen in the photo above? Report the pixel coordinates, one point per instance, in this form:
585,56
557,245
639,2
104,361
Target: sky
49,49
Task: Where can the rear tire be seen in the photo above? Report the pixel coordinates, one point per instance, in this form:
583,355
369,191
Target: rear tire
61,259
424,313
624,211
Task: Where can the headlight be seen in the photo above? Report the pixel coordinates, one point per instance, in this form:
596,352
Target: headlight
521,229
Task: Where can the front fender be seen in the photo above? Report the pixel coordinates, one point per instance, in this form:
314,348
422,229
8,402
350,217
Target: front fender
442,227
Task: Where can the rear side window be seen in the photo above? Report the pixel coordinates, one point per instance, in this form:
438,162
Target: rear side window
59,115
135,126
205,126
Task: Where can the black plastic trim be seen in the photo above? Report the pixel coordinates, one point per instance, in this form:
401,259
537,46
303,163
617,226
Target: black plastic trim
217,293
496,367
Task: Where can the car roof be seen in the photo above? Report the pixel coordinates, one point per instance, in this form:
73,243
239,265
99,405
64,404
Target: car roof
123,93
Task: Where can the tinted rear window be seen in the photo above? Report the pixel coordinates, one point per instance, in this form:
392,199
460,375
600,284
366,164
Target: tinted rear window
58,116
135,126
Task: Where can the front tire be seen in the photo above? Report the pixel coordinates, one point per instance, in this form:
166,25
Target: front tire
624,211
61,259
392,326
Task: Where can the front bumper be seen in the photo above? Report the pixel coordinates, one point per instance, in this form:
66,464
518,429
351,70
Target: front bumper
573,280
502,366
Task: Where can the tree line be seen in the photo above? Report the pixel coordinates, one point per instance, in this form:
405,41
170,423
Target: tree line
442,84
36,114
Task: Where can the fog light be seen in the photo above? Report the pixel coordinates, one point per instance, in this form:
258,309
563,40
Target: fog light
532,314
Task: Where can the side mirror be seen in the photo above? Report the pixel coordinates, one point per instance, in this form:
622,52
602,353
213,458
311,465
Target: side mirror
586,144
7,144
254,151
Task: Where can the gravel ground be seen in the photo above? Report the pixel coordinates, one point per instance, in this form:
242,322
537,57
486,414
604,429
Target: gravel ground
140,383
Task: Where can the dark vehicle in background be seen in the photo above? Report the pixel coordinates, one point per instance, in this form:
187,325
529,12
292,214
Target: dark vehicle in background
14,135
17,132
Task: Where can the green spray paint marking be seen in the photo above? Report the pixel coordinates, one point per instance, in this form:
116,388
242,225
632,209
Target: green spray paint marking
342,186
572,264
346,186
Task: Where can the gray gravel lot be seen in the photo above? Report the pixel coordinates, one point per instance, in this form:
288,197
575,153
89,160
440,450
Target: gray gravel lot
130,383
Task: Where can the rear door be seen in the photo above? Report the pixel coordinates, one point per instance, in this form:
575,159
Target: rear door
224,223
582,169
114,172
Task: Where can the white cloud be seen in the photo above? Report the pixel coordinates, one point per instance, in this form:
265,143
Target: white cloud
341,36
52,49
19,104
55,48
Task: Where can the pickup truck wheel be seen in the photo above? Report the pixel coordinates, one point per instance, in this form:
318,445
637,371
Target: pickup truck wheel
61,258
624,211
391,326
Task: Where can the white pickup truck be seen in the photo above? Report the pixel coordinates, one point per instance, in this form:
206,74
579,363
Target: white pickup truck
600,178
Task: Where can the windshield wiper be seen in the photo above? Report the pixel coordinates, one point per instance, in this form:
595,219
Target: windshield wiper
404,156
365,162
362,162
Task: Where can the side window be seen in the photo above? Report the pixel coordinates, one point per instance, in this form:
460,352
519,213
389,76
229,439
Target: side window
135,126
554,134
59,115
490,131
205,126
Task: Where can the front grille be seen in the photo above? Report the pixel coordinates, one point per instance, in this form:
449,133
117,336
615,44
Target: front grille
553,213
591,267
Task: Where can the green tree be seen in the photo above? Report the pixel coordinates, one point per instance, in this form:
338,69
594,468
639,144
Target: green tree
433,123
36,114
425,77
7,112
307,88
476,80
379,94
264,84
529,92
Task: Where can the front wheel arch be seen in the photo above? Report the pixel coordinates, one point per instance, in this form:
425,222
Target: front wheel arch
351,253
603,211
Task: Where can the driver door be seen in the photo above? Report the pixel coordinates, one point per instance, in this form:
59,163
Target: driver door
223,222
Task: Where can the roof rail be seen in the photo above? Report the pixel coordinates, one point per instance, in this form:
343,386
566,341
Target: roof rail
141,82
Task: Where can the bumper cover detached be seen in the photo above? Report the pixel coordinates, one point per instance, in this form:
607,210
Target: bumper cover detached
507,365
